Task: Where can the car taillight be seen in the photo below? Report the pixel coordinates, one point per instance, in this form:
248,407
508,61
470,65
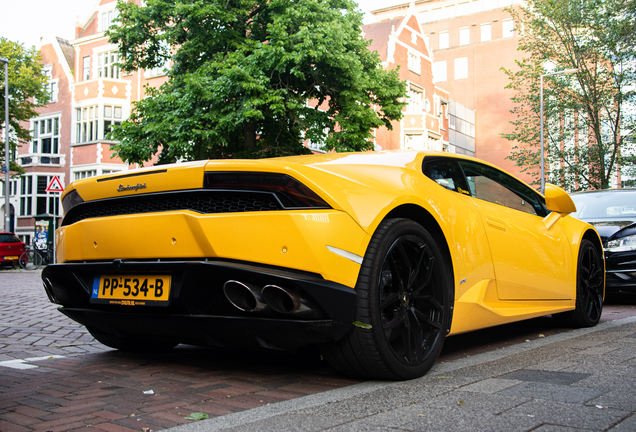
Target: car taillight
290,192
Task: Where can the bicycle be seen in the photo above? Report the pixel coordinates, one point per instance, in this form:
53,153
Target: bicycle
34,257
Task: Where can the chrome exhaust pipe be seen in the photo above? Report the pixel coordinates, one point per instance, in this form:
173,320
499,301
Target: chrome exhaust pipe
289,302
244,296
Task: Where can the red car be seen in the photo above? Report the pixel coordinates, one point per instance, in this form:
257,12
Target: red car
11,247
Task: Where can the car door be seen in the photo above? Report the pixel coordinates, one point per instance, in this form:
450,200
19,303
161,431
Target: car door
530,260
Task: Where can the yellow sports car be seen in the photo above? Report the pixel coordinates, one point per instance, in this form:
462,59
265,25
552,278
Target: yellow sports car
374,257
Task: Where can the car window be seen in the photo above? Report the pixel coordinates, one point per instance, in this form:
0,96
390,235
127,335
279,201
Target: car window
605,204
446,173
9,238
492,185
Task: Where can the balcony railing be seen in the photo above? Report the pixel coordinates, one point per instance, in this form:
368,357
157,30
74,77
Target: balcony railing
32,159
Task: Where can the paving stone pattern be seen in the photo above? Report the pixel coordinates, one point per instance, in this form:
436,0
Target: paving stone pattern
55,377
582,381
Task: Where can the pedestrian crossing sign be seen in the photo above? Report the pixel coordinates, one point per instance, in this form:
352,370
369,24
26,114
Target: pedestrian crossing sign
55,185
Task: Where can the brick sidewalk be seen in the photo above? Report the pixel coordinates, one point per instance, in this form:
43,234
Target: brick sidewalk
55,377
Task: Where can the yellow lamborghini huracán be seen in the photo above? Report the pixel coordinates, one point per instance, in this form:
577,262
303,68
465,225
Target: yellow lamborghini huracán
373,257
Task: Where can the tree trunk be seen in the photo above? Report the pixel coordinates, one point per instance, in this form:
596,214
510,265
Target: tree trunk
249,135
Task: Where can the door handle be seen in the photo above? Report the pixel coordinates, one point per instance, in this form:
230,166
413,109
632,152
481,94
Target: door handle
496,224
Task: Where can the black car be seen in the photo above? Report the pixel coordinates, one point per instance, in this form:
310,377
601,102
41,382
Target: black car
613,213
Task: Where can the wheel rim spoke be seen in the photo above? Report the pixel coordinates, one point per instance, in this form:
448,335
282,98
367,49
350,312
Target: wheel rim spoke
410,302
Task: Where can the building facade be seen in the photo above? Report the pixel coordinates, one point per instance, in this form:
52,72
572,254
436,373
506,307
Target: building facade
471,42
401,44
89,94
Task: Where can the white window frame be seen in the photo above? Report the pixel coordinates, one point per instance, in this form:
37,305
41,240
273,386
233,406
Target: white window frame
52,84
440,70
415,99
461,68
444,40
106,19
415,63
86,68
30,193
486,32
464,36
507,28
85,123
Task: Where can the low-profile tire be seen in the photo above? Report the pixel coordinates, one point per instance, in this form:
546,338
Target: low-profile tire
403,307
133,344
590,288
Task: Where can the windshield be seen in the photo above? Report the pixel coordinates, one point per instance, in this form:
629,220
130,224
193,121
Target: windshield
605,204
9,238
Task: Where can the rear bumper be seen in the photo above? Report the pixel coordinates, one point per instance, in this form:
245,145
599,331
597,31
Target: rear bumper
198,312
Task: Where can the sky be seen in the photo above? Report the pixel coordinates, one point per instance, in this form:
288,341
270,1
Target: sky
26,21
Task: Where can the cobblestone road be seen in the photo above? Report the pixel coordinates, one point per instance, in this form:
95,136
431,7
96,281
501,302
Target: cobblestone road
55,377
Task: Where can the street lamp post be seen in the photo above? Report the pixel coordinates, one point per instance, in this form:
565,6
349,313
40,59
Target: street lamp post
7,212
563,72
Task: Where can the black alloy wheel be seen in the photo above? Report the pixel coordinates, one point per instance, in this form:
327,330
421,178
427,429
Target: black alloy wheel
590,289
403,306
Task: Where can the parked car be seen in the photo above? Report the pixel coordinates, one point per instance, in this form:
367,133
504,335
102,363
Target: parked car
613,213
11,247
374,257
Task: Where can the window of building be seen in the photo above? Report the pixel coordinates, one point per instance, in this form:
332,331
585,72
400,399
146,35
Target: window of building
46,140
490,4
463,9
86,124
51,85
464,36
86,68
112,116
416,95
439,71
436,14
476,6
78,175
414,63
508,28
414,141
485,32
108,17
443,40
106,65
461,68
449,12
34,199
427,41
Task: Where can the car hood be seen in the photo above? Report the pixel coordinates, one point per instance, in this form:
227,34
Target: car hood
610,229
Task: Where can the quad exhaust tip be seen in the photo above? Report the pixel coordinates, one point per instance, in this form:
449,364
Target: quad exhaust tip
254,299
244,296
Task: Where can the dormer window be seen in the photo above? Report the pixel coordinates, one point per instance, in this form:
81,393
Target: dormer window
108,17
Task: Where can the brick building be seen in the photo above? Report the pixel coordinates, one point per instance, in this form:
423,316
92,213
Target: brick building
471,41
88,95
401,43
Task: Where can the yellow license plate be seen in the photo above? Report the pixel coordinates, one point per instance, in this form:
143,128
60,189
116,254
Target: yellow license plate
10,257
132,290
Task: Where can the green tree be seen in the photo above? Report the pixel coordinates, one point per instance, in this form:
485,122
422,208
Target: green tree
27,92
243,73
589,115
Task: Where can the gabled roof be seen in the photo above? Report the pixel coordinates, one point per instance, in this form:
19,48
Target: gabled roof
68,51
379,34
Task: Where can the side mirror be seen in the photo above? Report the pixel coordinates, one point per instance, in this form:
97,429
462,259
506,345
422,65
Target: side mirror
558,200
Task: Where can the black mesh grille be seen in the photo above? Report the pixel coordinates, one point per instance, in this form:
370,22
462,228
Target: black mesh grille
198,201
